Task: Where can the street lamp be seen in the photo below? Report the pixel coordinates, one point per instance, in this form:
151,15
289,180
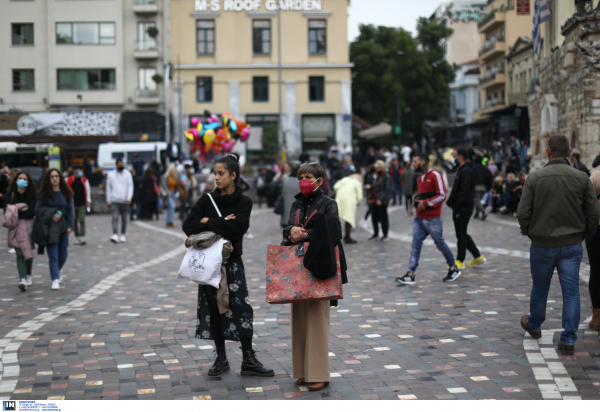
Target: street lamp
398,130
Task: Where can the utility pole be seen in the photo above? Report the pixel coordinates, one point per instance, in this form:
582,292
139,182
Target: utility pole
280,85
398,129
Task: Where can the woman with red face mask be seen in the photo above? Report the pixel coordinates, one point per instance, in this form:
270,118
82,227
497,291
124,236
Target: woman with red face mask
310,319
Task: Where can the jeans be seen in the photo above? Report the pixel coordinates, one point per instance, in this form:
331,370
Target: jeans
23,266
396,190
423,228
138,210
566,260
592,244
461,219
57,255
171,207
379,214
119,209
80,221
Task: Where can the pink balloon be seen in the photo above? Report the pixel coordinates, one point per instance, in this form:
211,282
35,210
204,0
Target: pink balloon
194,121
245,134
228,146
212,119
194,132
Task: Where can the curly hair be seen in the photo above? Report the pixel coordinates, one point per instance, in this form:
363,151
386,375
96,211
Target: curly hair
30,191
46,186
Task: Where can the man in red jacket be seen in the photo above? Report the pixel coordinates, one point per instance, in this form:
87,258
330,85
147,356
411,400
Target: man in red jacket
431,196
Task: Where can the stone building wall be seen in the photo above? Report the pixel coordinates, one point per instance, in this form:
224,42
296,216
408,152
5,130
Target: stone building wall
568,100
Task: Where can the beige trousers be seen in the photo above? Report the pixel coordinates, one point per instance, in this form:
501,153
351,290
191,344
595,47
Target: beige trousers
310,341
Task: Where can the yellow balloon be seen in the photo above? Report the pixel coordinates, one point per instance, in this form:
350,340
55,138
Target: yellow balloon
209,137
199,128
189,136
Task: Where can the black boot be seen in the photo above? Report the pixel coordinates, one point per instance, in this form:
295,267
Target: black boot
252,367
221,364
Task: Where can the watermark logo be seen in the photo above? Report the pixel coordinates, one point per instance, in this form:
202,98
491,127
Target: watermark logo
9,405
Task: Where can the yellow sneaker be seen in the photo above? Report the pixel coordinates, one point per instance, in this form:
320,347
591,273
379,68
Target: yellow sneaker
478,261
459,264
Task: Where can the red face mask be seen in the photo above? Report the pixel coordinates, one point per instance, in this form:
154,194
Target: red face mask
307,187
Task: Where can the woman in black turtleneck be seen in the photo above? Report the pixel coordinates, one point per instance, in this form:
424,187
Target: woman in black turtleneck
236,324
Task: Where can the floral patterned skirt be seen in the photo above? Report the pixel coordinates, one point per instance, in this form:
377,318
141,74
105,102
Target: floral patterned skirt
237,322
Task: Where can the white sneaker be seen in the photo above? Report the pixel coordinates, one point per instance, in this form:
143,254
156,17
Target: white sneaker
29,281
364,224
77,241
249,235
12,251
60,276
82,239
23,285
122,239
55,285
114,238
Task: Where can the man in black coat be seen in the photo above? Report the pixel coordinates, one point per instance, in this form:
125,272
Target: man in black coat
461,201
483,184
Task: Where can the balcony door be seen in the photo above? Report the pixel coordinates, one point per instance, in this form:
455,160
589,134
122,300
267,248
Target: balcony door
145,41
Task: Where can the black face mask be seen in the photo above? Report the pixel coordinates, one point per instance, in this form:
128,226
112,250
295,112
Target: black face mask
120,168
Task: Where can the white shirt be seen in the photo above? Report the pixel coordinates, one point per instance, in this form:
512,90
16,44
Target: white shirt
405,154
119,187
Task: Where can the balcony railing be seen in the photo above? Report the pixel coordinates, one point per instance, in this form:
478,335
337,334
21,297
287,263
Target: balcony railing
490,74
494,102
144,1
145,45
490,44
144,93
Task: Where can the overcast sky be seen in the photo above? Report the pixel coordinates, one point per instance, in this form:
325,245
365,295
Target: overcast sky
397,13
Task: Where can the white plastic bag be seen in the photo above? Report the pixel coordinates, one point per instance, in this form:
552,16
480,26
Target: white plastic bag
203,266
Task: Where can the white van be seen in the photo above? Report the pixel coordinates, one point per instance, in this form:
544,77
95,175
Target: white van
108,153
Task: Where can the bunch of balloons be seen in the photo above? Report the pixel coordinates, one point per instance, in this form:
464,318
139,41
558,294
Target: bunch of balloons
215,136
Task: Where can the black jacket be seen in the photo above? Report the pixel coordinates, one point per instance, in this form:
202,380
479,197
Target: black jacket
46,231
233,230
319,258
463,191
384,187
324,205
483,176
596,162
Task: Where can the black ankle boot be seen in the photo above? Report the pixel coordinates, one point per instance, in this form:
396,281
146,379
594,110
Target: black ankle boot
252,367
221,364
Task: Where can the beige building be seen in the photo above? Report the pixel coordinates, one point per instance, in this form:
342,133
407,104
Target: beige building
225,54
95,55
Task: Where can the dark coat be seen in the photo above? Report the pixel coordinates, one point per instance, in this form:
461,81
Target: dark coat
463,191
233,230
148,194
384,187
319,258
483,176
46,231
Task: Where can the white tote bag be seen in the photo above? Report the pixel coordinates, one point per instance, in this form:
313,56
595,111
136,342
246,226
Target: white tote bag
203,266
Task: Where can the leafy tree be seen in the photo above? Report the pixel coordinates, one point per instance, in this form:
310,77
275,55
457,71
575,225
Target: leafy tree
425,75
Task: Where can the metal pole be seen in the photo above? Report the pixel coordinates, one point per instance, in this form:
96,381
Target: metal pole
180,101
167,102
398,105
280,85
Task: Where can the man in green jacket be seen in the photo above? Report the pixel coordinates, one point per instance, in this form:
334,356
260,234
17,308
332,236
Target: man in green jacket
558,210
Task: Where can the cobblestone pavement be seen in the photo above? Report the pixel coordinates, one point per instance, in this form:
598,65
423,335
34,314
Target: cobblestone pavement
122,326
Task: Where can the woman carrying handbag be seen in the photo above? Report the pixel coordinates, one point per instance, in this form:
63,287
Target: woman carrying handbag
236,323
311,319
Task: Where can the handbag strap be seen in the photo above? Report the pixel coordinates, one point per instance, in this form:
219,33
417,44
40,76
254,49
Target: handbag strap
214,204
314,212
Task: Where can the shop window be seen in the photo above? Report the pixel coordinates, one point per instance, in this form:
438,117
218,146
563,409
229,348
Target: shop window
22,33
85,33
317,36
205,36
204,92
23,80
260,87
261,35
316,88
86,79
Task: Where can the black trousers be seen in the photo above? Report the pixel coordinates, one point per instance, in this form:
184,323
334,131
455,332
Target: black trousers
408,202
461,219
379,214
592,244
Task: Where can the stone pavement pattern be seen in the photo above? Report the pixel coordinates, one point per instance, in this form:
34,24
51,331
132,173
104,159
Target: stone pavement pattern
122,326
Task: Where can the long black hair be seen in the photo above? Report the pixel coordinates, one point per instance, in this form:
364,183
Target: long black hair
231,162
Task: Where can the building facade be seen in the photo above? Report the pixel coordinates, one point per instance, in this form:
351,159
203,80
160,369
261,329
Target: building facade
84,56
225,56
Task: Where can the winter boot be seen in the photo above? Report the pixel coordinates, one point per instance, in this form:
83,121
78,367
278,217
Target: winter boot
221,364
595,322
252,367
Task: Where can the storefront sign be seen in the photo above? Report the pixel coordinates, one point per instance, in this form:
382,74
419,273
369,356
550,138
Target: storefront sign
26,125
54,157
65,124
523,7
255,5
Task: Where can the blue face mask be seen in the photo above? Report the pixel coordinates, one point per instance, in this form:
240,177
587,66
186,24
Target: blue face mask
351,168
453,162
80,174
22,183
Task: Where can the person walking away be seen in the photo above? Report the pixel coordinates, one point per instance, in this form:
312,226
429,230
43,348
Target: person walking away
55,193
357,157
236,323
483,184
408,178
135,213
261,185
461,201
348,194
396,176
576,161
138,164
82,198
379,198
149,195
428,222
558,210
23,194
311,319
592,244
119,192
289,189
171,179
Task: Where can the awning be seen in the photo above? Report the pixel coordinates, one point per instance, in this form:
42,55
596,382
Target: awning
382,129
